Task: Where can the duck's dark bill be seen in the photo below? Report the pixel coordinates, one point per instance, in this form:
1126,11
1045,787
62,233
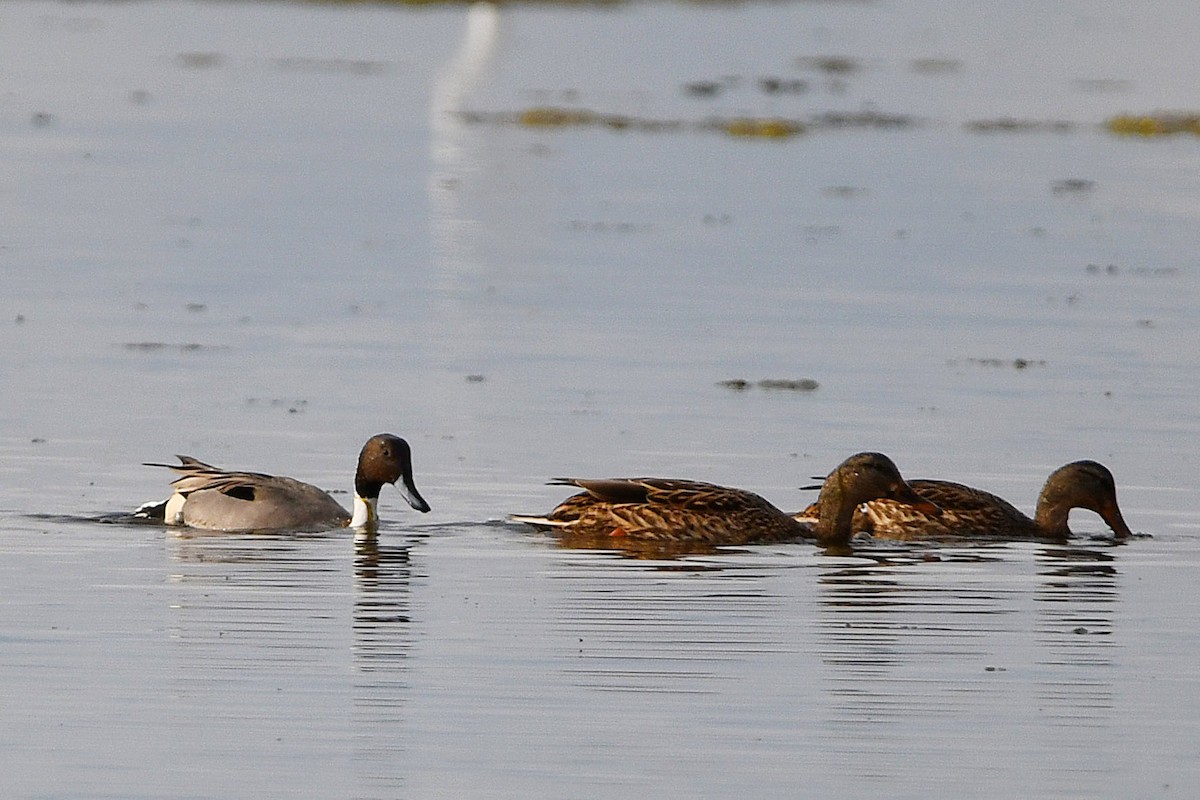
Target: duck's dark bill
409,490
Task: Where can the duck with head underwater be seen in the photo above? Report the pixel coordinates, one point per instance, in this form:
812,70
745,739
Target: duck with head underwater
973,513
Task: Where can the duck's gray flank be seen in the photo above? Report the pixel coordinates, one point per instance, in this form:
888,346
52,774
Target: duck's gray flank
218,499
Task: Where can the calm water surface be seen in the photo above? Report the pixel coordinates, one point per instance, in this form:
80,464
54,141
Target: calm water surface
258,234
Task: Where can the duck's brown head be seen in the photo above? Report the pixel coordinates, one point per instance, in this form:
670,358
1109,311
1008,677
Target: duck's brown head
386,459
1080,484
859,479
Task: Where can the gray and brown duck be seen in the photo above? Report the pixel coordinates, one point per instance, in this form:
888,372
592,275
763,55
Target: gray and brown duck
218,499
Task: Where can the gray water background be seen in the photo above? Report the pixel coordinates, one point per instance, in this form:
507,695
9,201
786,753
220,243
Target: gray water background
259,233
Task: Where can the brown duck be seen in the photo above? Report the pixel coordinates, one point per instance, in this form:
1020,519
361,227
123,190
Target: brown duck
973,513
681,510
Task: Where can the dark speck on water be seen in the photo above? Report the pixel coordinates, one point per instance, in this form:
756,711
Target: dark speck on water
783,85
831,65
802,385
1011,125
200,60
703,88
1015,363
1072,186
186,347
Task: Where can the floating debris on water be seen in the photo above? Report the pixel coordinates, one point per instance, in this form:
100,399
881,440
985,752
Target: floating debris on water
768,85
843,192
863,119
547,117
703,88
764,128
1159,124
199,60
1015,363
154,347
743,127
600,226
1113,269
1072,186
555,117
801,385
349,66
783,85
1012,125
935,66
830,65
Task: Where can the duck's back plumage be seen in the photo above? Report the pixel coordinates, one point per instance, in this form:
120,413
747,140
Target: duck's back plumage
966,511
666,509
219,499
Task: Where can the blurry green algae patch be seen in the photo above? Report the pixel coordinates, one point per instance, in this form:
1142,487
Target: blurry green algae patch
553,117
741,127
1157,124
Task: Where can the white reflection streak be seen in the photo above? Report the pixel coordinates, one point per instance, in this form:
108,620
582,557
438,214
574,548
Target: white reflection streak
452,158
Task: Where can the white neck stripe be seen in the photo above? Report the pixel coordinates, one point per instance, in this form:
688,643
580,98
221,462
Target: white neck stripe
365,512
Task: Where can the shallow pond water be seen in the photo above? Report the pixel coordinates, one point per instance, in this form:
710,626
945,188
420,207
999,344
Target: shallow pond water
258,234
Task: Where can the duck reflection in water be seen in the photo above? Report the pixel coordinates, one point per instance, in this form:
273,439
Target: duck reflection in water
383,577
903,636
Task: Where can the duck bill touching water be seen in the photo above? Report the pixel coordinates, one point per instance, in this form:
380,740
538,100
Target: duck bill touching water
973,513
673,510
226,500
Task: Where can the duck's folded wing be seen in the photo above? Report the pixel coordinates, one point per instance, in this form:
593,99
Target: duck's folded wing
196,476
961,499
609,490
674,493
653,491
